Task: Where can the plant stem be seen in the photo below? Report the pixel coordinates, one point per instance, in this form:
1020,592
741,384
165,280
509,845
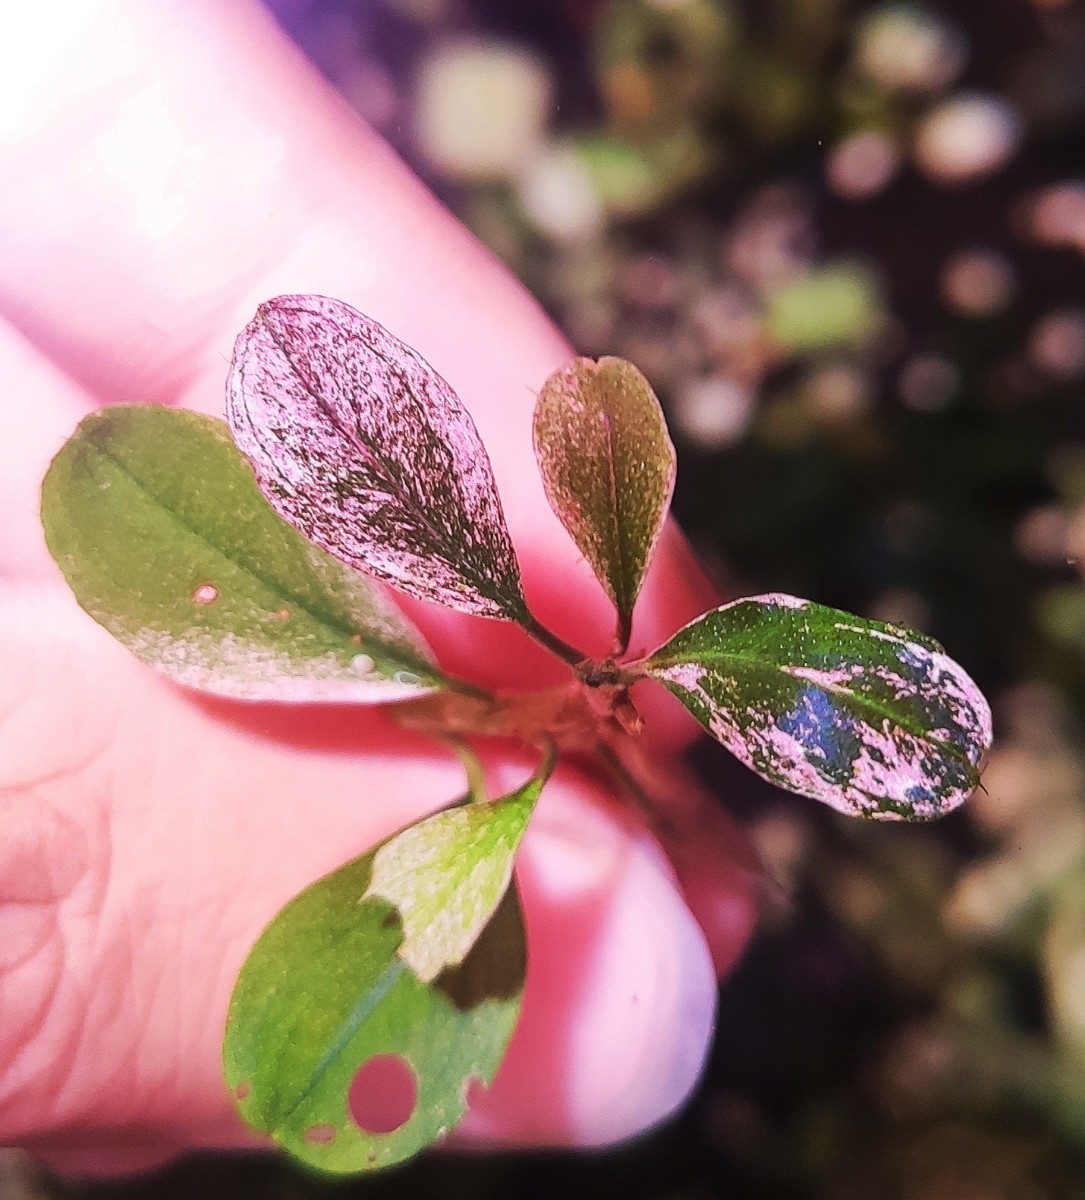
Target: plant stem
552,642
463,688
623,634
472,767
639,790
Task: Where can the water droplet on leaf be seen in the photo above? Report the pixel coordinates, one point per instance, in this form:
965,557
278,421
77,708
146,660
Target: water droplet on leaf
363,664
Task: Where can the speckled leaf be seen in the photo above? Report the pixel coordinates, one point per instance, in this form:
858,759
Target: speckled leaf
608,467
361,445
155,519
415,950
874,720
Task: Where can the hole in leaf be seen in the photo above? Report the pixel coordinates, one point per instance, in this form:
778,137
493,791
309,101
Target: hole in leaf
282,614
242,1090
383,1094
474,1088
206,593
320,1135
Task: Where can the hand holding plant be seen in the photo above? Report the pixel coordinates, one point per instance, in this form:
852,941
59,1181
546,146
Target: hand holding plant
401,974
155,833
149,833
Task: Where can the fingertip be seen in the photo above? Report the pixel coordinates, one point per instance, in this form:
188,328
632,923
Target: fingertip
619,1008
719,875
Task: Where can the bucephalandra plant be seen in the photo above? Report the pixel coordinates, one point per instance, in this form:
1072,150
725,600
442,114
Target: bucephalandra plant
237,559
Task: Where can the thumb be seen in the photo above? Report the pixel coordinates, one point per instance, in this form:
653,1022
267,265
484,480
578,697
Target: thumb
150,835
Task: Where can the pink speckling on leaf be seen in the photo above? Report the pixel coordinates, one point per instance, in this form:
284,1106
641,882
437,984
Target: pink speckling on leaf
364,448
872,720
783,600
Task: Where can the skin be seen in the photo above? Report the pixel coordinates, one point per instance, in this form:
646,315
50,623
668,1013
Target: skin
163,168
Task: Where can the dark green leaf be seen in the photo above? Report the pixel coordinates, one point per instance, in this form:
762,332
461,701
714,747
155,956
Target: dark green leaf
415,951
158,525
361,445
608,466
874,720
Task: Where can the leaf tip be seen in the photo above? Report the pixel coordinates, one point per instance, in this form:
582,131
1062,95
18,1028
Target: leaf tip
608,467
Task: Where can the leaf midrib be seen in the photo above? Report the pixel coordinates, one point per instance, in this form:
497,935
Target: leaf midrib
619,540
362,1008
481,582
717,660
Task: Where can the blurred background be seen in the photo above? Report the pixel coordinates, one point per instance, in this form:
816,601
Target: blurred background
845,242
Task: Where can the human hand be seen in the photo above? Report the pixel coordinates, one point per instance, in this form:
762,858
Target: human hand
162,170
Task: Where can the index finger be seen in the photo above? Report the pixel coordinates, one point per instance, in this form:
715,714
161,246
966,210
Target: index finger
161,183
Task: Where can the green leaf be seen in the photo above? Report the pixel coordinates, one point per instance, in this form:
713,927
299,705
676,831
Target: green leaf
445,875
874,720
157,523
415,951
608,467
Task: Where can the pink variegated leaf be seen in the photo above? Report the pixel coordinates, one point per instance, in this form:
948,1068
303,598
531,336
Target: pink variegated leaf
608,467
364,448
872,719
